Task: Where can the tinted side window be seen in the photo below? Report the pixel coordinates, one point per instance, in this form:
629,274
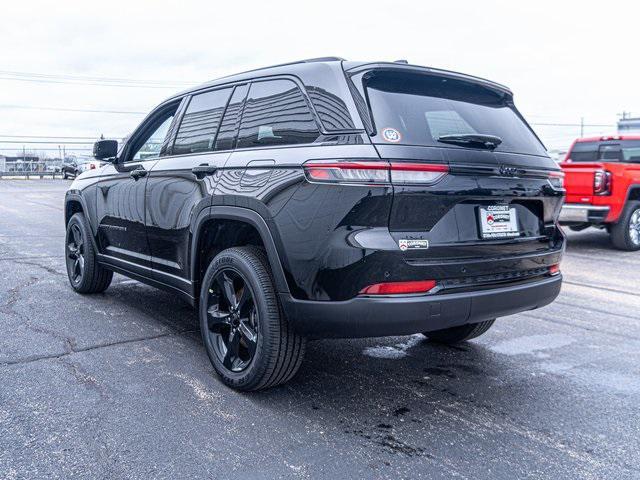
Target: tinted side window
197,132
631,150
276,113
623,150
610,152
148,139
151,147
584,152
227,133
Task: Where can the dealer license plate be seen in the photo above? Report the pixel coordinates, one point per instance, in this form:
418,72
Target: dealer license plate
498,221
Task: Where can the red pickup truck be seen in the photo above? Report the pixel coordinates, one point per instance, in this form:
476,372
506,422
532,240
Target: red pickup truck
602,179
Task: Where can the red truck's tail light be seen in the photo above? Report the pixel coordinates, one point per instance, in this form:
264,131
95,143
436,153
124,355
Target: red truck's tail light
397,288
556,179
554,269
602,182
374,172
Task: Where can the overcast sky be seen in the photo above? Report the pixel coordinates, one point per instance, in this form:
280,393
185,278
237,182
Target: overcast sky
563,60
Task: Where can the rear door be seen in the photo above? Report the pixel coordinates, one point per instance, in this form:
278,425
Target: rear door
181,184
494,199
276,117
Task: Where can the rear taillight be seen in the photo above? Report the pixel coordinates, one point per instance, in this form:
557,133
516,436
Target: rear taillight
347,172
554,269
398,288
602,182
556,179
374,172
417,173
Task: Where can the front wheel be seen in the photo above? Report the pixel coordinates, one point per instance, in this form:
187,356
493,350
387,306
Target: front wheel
459,334
625,234
248,340
85,274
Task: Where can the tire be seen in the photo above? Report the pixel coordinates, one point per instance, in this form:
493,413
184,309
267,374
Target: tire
83,270
625,234
459,334
247,338
579,228
64,176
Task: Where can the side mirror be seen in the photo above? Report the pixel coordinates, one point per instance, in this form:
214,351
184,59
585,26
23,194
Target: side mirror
105,149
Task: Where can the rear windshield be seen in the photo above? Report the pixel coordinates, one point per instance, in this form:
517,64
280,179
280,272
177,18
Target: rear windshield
610,151
416,109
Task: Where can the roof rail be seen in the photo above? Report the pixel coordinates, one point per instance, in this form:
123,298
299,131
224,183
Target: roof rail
324,59
307,60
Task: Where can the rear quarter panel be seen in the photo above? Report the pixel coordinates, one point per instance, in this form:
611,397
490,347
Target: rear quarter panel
310,223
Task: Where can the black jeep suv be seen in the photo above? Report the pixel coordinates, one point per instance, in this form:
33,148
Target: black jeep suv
325,198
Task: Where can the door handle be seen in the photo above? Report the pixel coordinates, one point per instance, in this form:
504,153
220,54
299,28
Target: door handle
138,173
202,171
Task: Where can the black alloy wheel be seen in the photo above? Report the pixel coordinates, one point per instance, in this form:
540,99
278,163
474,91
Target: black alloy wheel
75,255
232,320
85,274
249,342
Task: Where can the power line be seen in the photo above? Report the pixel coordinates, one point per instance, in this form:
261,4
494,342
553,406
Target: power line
101,79
57,109
574,124
40,141
47,149
93,81
85,83
57,137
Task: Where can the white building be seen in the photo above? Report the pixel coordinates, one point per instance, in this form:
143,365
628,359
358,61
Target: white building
627,125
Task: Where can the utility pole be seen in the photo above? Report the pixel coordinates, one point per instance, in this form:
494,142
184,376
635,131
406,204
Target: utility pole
581,127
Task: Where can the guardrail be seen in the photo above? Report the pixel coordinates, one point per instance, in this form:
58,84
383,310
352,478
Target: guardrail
29,175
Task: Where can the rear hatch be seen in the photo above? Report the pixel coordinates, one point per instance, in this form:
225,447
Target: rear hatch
499,194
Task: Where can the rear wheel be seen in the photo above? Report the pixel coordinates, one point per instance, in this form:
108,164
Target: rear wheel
83,270
459,334
625,234
248,340
579,228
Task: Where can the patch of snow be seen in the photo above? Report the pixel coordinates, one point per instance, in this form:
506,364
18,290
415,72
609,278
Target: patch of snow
532,344
393,352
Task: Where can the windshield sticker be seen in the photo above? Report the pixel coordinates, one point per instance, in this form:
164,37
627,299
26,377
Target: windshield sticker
391,135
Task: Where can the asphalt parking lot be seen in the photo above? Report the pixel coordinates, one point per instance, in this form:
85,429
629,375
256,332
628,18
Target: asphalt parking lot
118,385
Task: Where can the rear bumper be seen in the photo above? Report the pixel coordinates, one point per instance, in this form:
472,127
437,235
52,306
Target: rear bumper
404,315
574,213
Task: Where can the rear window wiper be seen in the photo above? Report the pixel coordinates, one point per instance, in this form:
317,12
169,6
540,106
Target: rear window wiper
472,140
